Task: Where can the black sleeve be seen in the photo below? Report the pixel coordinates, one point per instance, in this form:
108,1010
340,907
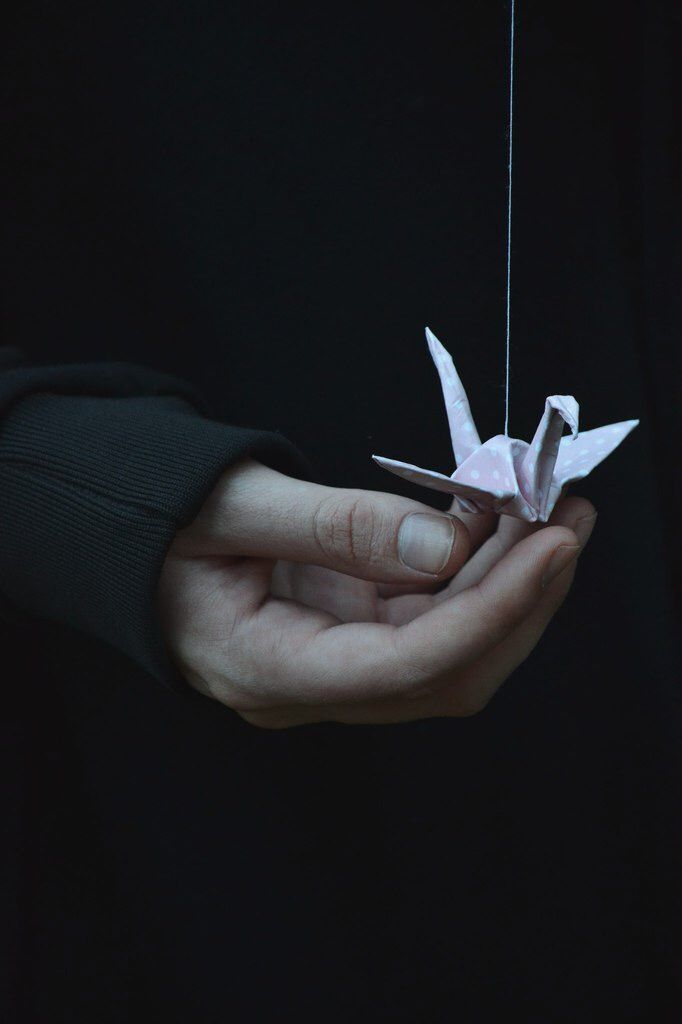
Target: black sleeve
100,464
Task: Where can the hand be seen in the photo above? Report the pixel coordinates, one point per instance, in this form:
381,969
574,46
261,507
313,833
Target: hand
291,602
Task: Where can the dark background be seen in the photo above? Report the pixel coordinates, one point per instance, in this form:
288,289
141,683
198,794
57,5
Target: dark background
271,200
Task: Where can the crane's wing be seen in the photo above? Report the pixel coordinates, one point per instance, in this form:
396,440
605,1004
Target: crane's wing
465,439
471,498
579,455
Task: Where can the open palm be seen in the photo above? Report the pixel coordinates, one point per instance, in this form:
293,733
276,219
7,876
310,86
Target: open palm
288,602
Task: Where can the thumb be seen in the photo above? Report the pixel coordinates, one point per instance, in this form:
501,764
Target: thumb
254,510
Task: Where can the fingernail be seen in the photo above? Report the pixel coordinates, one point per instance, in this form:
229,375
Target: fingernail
562,557
425,541
583,528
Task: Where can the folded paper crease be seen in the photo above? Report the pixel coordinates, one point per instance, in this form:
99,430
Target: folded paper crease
505,474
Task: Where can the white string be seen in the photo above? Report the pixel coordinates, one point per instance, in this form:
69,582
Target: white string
509,217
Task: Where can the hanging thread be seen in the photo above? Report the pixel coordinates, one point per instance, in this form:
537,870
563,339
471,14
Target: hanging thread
509,217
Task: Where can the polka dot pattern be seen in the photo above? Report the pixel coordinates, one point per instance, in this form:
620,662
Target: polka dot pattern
595,445
506,474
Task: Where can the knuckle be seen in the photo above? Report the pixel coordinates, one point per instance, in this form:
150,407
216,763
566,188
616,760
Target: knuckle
345,527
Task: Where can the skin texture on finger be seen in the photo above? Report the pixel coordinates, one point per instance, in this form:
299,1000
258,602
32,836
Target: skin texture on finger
468,694
479,524
489,545
481,616
320,663
509,532
403,608
343,596
480,527
567,512
257,511
477,683
357,600
402,605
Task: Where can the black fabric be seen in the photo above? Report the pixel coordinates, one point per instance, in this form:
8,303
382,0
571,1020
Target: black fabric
93,488
268,202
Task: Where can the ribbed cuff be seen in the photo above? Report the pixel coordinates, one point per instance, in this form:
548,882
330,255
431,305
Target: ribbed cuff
92,491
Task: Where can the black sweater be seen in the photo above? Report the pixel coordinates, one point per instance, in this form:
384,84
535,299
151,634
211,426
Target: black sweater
100,464
266,202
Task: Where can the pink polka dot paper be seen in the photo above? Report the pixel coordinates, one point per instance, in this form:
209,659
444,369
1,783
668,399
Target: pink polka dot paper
510,476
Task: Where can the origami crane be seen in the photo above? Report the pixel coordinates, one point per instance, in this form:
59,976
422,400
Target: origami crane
504,474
